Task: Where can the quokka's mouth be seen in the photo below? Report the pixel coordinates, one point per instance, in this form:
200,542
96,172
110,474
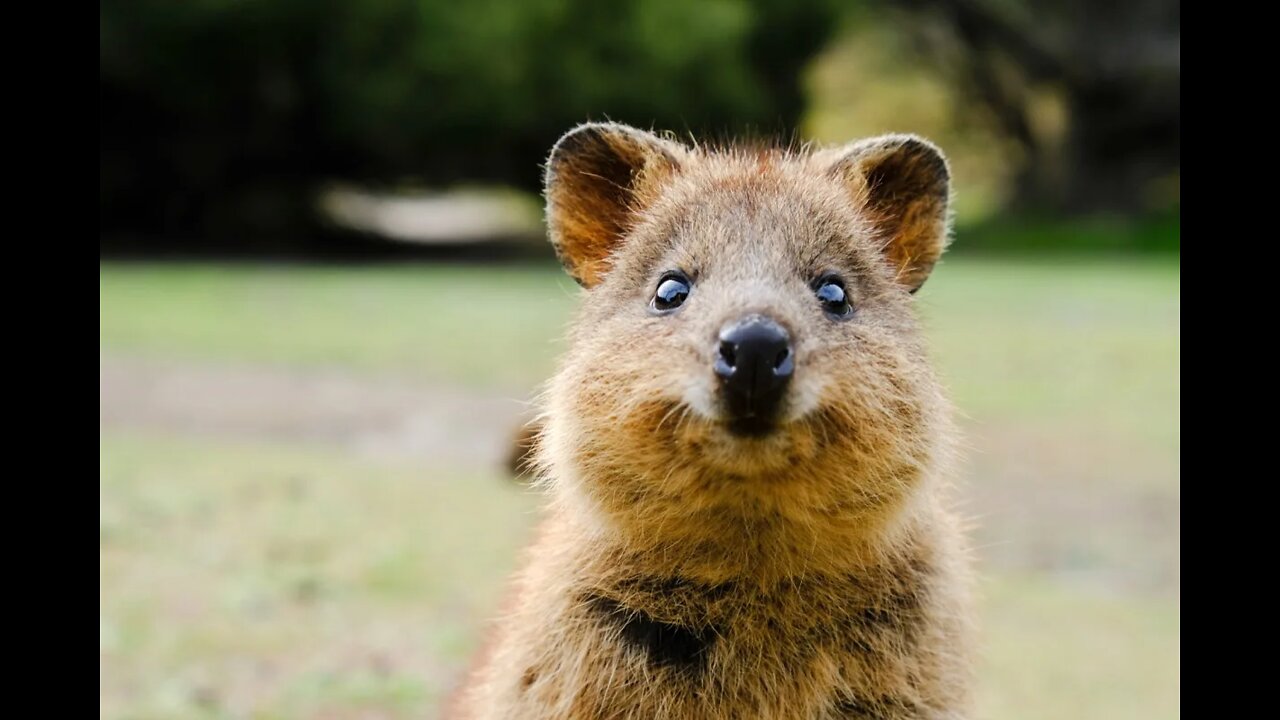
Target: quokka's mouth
751,426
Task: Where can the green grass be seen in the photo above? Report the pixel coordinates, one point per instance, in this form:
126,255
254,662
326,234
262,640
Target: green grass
276,578
471,325
1066,339
1054,651
284,581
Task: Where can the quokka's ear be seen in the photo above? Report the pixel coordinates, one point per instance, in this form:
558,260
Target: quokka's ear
598,176
904,185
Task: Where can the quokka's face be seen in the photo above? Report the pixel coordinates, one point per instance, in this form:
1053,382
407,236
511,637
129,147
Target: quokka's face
748,329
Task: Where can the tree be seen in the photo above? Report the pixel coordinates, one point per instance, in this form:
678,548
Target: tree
1114,67
219,120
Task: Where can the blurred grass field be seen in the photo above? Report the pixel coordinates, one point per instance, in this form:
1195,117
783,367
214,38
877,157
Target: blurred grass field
294,572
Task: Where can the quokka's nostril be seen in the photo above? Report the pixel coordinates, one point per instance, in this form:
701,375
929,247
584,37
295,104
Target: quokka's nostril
728,352
783,354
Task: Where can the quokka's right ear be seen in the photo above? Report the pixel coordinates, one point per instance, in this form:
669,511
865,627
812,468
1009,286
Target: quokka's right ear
598,176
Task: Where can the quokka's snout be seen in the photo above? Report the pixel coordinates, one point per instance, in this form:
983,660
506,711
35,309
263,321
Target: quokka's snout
754,362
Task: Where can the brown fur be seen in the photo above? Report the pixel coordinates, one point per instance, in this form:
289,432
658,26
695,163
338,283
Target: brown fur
521,462
685,572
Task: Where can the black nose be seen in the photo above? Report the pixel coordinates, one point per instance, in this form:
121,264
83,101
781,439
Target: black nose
754,362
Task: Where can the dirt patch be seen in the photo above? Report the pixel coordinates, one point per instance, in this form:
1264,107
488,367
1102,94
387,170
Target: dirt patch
370,415
1076,504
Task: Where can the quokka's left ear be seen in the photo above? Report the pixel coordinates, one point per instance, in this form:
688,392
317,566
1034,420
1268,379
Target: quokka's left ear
904,185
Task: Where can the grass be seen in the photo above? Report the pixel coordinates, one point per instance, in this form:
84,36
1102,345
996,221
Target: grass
471,325
254,580
1058,652
276,577
1061,339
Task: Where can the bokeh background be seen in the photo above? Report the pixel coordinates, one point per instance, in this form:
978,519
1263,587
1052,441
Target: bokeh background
326,301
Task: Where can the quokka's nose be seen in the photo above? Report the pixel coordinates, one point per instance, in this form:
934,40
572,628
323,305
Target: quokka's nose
754,362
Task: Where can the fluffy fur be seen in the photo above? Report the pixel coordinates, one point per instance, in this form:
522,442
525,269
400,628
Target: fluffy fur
682,571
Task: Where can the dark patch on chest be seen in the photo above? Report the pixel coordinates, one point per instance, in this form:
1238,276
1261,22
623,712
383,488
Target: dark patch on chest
665,644
886,610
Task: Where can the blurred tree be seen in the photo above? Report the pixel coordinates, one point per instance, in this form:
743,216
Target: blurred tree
1111,71
220,119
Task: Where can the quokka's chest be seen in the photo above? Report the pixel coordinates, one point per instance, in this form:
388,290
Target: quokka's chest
853,625
684,650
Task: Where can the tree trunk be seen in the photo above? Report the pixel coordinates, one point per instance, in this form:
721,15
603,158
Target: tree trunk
1121,139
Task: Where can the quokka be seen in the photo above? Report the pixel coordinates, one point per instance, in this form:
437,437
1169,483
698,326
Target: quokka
746,451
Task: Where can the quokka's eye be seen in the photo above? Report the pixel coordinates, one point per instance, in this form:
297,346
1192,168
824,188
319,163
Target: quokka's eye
834,299
672,291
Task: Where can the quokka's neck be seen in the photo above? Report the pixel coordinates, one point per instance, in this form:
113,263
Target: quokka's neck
717,548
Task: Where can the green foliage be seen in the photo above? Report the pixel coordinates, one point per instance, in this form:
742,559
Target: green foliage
872,79
218,110
220,119
1158,233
